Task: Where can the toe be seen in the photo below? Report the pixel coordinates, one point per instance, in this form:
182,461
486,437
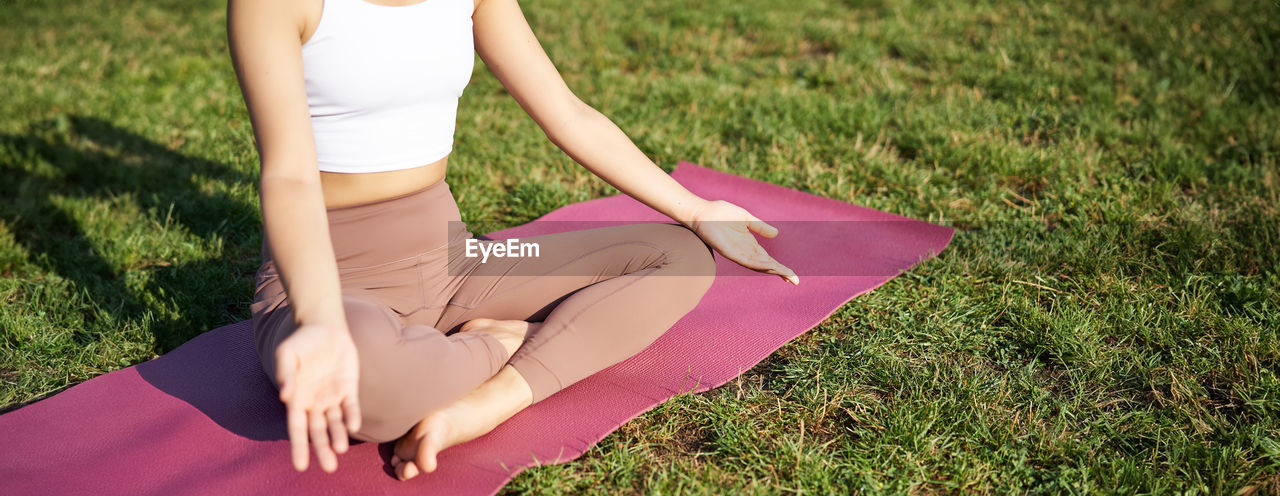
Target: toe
431,461
407,445
425,458
406,471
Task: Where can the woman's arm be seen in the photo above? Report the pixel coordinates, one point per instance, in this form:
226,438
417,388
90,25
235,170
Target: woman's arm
512,52
316,364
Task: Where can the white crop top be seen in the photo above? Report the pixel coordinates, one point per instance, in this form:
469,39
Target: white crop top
383,82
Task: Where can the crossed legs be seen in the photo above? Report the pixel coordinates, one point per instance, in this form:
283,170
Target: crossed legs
592,298
603,295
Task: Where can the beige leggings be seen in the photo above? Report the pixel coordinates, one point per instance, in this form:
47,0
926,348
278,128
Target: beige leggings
604,294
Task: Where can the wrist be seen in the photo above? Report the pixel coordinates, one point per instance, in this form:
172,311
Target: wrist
690,210
332,322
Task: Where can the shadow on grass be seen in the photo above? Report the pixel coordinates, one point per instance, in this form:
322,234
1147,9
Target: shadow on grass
73,159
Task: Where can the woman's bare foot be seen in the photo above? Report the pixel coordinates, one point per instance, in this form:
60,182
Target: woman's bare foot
473,415
510,333
477,413
431,435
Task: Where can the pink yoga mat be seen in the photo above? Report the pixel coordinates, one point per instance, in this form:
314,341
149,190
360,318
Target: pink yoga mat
202,419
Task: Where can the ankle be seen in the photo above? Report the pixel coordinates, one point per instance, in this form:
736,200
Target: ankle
498,399
512,385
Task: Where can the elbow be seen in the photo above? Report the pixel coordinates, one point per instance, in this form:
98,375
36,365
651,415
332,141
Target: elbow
289,173
574,117
274,185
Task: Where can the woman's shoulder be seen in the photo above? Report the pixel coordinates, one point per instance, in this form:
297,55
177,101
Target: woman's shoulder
303,15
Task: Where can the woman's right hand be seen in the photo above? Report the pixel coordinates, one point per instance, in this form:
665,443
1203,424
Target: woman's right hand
316,366
318,372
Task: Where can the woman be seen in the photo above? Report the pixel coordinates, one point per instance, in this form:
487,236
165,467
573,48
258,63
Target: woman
366,316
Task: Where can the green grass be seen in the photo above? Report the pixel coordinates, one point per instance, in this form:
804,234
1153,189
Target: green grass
1105,321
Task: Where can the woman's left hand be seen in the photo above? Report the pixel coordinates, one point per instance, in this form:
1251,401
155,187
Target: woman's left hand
728,227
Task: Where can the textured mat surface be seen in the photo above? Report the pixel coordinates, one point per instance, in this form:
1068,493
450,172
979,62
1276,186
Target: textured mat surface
202,419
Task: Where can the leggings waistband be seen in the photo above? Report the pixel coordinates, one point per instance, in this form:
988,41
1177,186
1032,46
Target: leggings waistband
392,229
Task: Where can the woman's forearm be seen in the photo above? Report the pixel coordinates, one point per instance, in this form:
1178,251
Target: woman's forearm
598,144
294,220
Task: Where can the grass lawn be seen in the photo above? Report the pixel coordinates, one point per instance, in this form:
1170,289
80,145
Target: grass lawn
1105,320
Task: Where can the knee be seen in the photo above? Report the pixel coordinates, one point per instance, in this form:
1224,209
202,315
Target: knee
372,330
689,256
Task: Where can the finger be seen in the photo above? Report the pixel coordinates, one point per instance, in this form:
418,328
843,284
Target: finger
782,271
286,366
337,430
286,391
769,265
774,267
351,412
297,426
762,262
320,441
788,274
761,227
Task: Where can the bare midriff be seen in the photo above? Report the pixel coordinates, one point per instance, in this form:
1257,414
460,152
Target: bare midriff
343,189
